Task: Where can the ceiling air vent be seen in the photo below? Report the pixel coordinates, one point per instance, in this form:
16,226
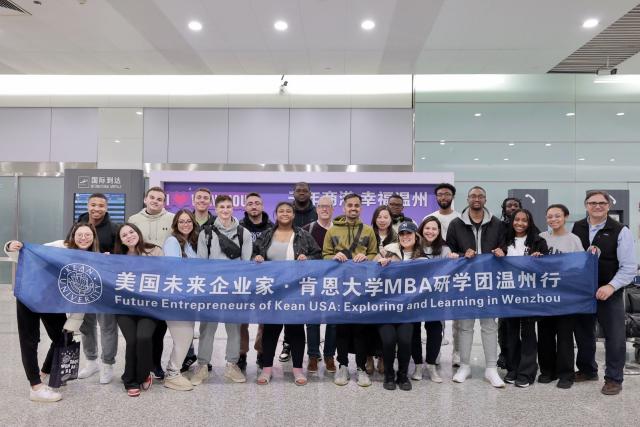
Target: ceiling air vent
614,45
9,8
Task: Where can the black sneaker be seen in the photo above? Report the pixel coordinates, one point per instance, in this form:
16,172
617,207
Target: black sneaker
522,383
546,379
565,384
242,362
285,355
403,382
389,383
259,362
188,361
209,367
510,378
158,373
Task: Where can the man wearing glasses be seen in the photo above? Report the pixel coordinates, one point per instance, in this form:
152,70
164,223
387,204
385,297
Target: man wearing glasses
616,269
318,229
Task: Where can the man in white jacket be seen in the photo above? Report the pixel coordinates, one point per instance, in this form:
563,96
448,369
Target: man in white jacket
154,222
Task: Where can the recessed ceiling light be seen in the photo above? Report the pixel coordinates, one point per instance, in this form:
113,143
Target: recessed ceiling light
570,114
612,159
442,143
139,113
478,114
581,159
368,24
620,114
511,144
443,140
423,158
280,25
195,26
505,159
476,159
590,23
117,141
547,145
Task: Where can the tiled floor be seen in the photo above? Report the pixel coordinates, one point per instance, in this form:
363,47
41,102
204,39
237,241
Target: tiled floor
320,403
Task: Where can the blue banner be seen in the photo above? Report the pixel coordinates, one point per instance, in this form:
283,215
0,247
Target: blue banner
57,280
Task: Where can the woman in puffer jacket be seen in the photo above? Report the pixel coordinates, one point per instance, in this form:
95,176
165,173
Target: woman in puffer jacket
81,237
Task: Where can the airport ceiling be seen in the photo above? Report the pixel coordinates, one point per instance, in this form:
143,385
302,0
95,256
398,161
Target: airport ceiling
323,36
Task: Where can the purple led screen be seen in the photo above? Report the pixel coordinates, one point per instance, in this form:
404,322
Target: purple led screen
419,199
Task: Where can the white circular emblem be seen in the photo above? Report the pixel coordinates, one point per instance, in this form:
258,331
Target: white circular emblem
80,283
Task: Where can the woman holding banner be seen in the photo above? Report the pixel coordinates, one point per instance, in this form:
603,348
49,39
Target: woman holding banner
409,247
137,330
433,247
81,237
182,244
521,352
284,242
555,333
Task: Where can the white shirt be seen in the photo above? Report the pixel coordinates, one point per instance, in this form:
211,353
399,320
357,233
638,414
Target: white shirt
517,249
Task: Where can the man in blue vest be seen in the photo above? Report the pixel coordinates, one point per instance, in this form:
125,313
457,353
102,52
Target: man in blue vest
616,269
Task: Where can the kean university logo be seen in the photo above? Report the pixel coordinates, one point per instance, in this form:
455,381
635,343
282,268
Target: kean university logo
80,283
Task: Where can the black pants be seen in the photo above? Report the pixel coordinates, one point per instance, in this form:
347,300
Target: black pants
610,316
158,343
434,341
29,337
138,332
522,347
555,346
348,334
502,341
392,335
296,337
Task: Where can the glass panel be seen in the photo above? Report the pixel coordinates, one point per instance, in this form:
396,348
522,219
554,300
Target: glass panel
40,213
8,206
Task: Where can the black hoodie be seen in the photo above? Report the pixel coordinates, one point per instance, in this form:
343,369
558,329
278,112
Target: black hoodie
304,216
106,231
256,230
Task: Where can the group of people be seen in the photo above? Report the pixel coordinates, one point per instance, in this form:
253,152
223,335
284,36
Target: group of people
301,231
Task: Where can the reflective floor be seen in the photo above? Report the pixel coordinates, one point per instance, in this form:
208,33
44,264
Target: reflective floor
320,403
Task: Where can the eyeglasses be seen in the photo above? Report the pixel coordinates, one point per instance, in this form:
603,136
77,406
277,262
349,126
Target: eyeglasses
324,206
395,204
600,204
477,196
185,222
444,194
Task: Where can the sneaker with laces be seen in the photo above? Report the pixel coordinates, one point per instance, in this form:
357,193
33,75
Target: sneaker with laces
178,382
158,373
312,366
188,362
417,374
433,373
464,372
200,374
491,375
89,369
342,376
329,364
522,383
403,382
146,385
233,373
363,379
44,394
285,355
106,374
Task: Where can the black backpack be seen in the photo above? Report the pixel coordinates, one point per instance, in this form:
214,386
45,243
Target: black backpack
227,245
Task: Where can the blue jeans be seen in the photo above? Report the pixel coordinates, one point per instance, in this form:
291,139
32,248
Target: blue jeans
313,341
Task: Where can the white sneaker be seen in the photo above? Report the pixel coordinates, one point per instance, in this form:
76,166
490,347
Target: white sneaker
89,369
233,373
200,373
178,382
417,374
44,394
106,374
342,376
455,359
491,375
433,373
463,373
363,378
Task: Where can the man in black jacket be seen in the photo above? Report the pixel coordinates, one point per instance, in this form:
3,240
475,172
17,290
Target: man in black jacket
302,205
477,231
396,207
616,269
98,216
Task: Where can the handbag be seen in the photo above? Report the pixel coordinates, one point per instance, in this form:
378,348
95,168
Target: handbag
65,362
